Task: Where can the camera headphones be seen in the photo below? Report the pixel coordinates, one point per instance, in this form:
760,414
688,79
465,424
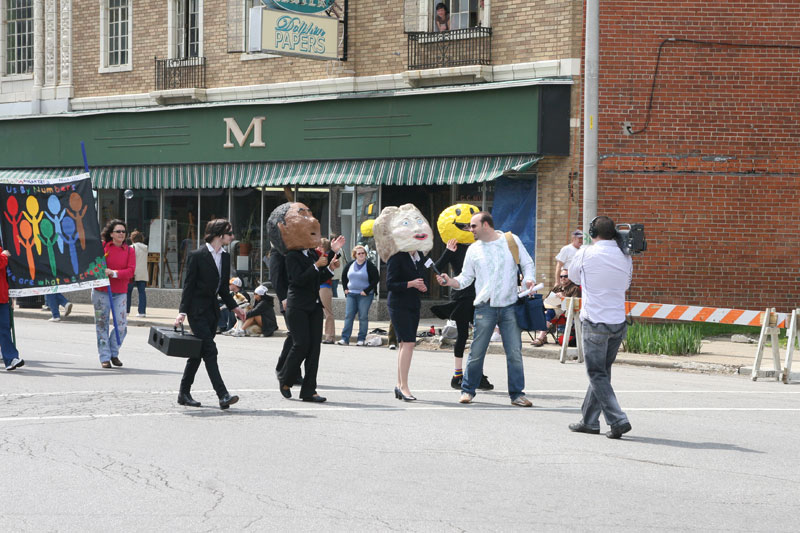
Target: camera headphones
593,230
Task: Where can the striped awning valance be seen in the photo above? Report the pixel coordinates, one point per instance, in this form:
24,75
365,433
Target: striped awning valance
417,171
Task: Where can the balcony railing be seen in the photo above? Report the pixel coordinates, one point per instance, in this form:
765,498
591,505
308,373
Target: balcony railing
454,48
187,73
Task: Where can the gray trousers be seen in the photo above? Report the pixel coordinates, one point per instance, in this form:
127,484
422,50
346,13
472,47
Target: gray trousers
600,345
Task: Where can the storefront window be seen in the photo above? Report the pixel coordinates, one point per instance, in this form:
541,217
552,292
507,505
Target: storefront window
142,210
213,204
316,199
473,193
366,209
246,247
178,236
111,205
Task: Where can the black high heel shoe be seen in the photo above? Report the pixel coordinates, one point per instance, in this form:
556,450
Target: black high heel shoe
400,396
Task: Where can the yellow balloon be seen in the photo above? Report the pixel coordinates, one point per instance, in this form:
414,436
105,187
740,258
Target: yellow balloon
366,227
453,223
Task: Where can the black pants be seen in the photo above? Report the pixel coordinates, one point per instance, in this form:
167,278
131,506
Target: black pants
462,328
287,345
204,326
306,328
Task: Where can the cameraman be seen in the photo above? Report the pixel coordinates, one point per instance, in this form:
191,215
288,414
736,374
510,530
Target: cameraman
604,274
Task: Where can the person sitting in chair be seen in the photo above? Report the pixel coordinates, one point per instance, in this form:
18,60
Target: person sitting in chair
564,289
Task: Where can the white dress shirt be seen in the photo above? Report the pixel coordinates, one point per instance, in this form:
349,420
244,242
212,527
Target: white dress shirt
604,274
217,256
491,267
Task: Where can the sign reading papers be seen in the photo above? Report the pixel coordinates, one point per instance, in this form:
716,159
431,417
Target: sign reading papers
50,228
288,33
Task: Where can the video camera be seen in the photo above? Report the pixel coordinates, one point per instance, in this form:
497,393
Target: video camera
630,238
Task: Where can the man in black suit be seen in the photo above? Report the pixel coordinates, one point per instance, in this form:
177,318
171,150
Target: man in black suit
207,273
294,231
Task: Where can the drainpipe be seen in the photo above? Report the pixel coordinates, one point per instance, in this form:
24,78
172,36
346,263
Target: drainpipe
590,119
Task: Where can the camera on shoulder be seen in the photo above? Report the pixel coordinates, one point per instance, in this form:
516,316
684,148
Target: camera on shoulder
630,238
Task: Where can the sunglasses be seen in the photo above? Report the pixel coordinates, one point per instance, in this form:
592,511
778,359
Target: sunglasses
563,276
119,231
228,233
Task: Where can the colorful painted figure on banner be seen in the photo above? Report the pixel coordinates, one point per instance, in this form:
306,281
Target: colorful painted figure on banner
71,237
14,216
77,211
34,216
27,242
56,215
49,238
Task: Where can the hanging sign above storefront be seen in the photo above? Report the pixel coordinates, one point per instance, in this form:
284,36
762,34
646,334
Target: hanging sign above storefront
300,6
278,32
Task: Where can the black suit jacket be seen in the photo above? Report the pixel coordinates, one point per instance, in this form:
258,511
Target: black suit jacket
202,283
305,279
400,269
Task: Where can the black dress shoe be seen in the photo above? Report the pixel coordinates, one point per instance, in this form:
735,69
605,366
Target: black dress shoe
484,384
316,398
286,392
227,400
580,427
617,431
184,398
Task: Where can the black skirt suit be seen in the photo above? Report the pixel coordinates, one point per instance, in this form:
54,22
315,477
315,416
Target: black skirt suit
404,302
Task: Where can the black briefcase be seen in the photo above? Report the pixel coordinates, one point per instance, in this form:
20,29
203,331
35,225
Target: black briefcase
175,343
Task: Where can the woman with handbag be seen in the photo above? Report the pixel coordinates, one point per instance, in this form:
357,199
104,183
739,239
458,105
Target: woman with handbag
120,268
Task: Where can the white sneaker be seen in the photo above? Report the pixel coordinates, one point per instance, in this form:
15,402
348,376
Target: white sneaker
67,309
392,346
141,315
15,364
54,319
496,337
238,333
360,343
465,398
341,342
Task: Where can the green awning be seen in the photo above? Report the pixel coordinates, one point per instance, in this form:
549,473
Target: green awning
418,171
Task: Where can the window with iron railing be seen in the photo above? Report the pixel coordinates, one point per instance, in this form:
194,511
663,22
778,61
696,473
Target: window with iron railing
452,48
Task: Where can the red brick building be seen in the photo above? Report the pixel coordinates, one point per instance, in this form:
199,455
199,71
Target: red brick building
711,94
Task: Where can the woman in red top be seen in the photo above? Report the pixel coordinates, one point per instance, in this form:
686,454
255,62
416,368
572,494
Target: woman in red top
121,265
11,356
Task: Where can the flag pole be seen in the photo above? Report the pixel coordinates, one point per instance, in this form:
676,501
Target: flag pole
110,297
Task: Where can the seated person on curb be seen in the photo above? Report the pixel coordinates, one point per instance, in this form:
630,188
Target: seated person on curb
261,315
563,289
226,319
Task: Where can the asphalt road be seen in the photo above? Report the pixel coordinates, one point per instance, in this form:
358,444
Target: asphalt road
88,449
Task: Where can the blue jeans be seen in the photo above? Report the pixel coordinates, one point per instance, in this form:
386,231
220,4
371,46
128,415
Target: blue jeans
356,303
107,345
54,301
140,286
6,344
486,318
600,345
226,319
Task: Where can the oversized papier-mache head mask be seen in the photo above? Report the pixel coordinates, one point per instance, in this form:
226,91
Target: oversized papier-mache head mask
453,223
292,226
402,229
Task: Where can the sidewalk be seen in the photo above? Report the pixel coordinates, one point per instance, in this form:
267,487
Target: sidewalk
717,356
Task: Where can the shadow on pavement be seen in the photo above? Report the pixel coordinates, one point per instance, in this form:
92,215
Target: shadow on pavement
41,368
210,412
690,445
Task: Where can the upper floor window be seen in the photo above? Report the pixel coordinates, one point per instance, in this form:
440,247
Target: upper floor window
186,28
457,14
115,35
118,20
18,25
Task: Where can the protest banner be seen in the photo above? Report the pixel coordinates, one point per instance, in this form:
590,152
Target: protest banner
49,225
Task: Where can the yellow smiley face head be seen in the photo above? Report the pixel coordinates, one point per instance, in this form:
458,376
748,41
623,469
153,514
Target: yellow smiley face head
366,228
453,223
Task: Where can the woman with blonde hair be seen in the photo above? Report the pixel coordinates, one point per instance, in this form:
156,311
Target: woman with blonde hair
359,281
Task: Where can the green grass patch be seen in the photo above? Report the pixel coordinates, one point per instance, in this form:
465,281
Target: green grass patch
663,339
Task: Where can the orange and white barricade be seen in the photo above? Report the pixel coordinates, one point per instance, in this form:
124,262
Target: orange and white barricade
689,313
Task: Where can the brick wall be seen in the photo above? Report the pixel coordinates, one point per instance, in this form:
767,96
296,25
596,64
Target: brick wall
524,30
714,177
